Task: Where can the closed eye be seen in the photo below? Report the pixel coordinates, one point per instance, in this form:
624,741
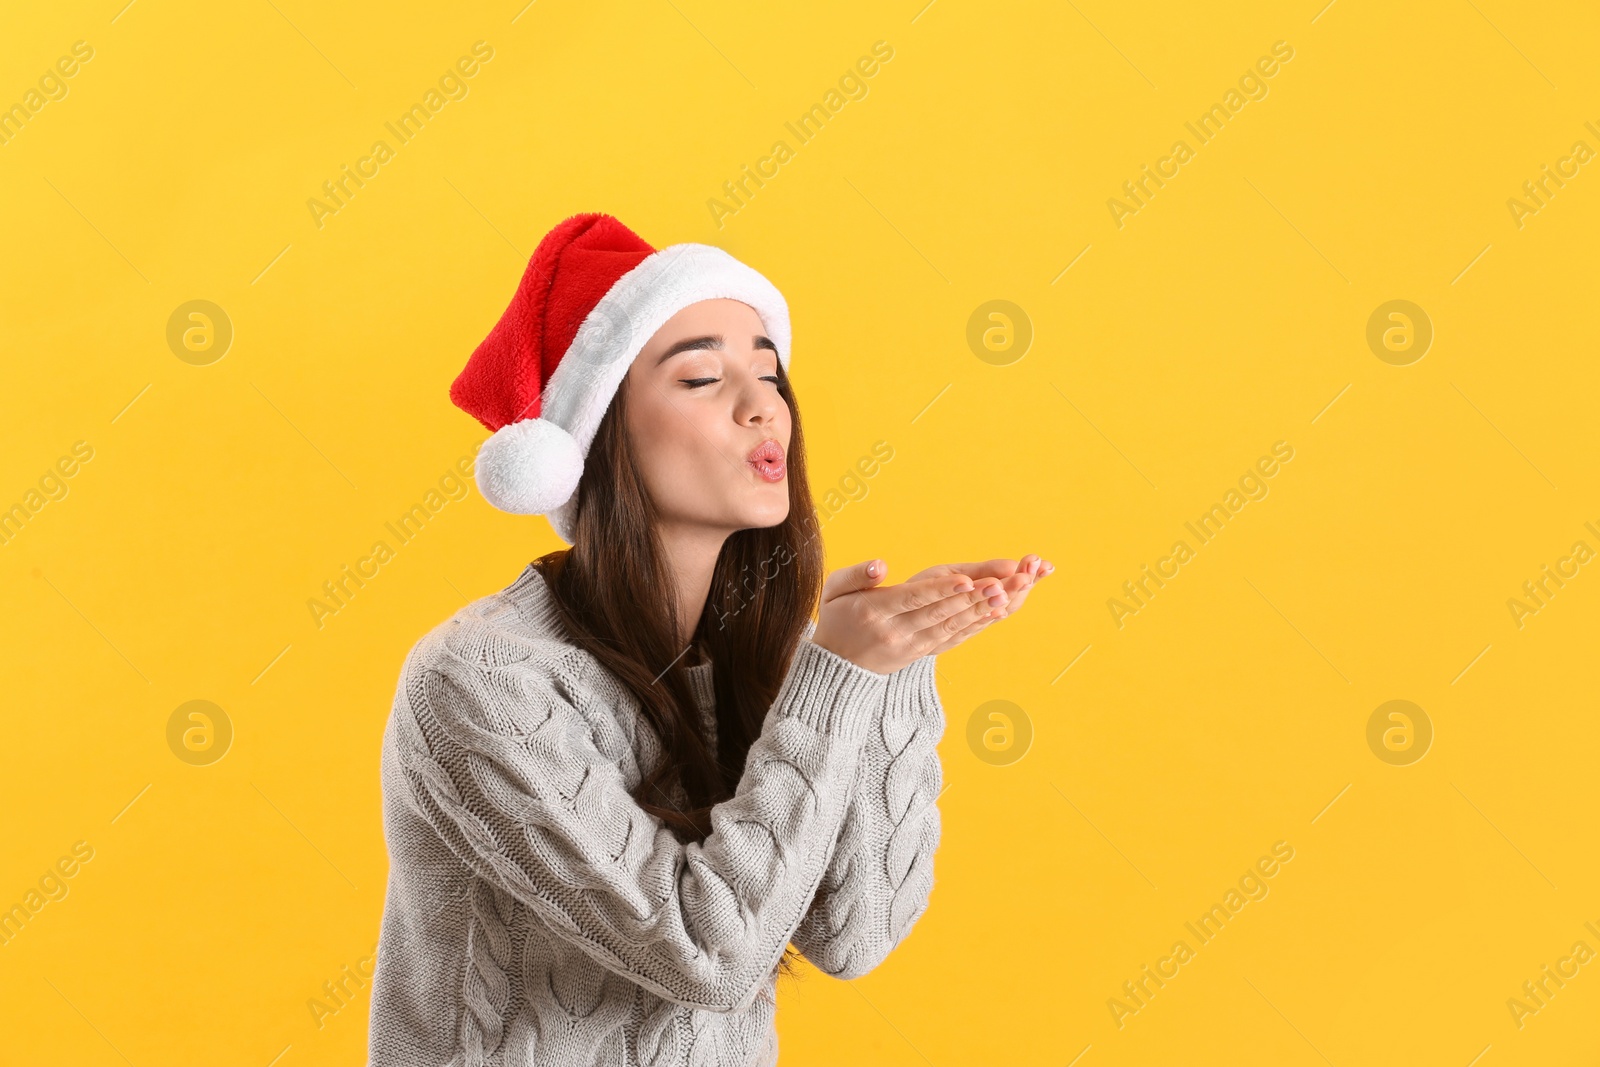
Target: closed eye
696,383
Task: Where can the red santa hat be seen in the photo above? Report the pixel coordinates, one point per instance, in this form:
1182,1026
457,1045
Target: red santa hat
593,295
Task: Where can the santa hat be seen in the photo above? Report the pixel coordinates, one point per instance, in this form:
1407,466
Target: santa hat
593,295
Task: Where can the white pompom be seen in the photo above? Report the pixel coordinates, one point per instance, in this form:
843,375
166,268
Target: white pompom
529,467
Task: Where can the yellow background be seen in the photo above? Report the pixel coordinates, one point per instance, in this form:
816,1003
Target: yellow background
1224,316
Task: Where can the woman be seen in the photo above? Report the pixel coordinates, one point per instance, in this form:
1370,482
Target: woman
615,791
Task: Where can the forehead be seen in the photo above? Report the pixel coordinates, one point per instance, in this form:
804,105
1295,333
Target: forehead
721,315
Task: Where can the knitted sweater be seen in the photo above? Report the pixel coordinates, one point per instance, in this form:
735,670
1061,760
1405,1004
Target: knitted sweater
535,914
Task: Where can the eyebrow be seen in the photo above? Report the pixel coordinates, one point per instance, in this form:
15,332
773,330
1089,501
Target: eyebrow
713,340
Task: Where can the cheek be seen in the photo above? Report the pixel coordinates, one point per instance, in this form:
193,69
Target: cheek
681,460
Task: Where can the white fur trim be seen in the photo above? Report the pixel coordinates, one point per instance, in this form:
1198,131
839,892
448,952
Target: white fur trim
637,305
528,467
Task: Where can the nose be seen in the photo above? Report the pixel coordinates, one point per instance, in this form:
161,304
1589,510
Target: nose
759,402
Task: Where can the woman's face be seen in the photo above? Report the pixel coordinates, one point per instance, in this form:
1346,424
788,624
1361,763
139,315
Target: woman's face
702,396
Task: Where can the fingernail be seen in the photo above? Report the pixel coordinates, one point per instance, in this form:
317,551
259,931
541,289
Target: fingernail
964,587
997,599
874,569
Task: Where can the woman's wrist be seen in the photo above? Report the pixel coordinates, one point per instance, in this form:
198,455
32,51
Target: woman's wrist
829,692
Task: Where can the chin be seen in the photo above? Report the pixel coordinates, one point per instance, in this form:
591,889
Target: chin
761,517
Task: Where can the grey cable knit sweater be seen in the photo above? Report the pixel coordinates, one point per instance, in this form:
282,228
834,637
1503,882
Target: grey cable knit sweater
536,915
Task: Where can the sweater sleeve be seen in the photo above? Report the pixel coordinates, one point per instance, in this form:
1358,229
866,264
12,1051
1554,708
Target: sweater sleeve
881,875
506,770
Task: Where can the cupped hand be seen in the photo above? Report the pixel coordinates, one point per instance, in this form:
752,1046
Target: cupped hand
1016,578
885,629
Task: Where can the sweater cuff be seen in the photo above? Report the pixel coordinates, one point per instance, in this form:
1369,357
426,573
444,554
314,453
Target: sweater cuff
912,689
829,693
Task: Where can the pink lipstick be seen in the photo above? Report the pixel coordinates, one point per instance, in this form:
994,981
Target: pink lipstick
767,459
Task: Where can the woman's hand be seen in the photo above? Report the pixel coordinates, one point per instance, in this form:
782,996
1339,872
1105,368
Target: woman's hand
1017,578
886,629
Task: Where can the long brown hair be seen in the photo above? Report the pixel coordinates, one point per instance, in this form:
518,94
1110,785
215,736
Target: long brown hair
616,599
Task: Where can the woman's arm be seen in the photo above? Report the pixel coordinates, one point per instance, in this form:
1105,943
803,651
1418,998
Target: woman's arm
879,880
507,773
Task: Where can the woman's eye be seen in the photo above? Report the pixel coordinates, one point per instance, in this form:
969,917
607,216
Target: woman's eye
696,383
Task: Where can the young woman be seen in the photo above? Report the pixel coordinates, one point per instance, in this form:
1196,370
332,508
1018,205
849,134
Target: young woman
617,790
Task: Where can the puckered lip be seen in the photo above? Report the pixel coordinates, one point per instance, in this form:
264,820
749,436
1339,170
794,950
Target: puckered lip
769,450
